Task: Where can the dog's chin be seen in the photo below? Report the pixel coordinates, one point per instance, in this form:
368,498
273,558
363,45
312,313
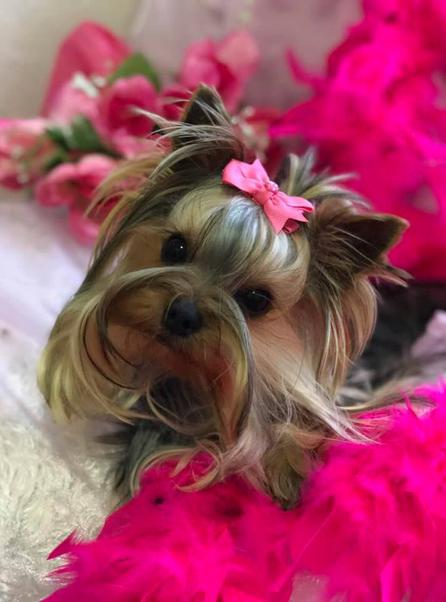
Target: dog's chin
188,361
154,355
169,357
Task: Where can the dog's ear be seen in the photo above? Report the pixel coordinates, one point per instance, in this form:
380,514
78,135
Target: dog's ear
370,237
345,243
204,140
347,248
205,108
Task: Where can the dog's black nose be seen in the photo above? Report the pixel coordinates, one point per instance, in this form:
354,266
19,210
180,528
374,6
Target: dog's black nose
183,318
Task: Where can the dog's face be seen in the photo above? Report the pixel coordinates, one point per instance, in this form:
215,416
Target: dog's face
205,294
191,283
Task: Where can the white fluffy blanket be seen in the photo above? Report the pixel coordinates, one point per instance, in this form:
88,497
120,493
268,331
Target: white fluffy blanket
51,479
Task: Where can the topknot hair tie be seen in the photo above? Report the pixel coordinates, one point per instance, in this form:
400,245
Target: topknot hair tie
283,211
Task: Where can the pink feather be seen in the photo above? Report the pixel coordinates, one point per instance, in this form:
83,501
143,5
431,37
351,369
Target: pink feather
379,112
371,527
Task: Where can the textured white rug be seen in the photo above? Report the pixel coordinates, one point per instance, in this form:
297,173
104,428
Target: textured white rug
51,479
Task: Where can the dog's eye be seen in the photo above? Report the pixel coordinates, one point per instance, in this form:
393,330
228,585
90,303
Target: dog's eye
254,301
174,250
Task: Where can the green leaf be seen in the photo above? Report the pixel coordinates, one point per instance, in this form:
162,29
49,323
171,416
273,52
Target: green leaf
56,159
58,136
83,137
79,136
136,64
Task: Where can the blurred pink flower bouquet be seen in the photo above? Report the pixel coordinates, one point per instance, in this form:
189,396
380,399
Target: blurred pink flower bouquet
90,119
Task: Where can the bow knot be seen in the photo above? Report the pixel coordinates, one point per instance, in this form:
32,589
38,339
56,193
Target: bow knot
272,187
283,211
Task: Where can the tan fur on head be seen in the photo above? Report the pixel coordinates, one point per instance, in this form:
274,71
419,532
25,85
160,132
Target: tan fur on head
262,391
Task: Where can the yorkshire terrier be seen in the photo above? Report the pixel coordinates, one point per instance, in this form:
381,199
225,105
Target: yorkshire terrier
222,310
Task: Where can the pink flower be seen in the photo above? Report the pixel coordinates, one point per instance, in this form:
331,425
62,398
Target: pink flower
132,146
118,103
172,98
252,125
226,65
91,49
72,101
74,185
23,151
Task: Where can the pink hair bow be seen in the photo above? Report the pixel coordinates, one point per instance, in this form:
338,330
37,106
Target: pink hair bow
283,211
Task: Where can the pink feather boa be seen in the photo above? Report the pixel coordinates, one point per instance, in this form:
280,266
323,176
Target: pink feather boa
371,527
378,111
